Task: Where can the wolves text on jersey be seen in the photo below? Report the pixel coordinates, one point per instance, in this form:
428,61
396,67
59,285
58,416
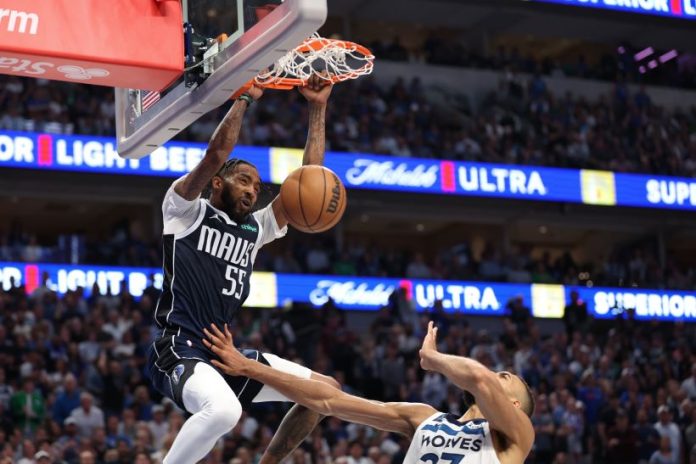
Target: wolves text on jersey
459,442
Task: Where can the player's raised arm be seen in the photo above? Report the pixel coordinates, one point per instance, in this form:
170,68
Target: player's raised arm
220,146
317,92
500,397
320,397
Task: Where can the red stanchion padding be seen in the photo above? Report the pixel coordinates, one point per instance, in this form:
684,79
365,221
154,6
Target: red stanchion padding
125,43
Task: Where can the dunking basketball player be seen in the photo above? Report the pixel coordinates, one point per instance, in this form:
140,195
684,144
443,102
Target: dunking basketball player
209,249
496,429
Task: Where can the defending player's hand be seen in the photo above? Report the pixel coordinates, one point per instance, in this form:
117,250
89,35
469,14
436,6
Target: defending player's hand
318,89
428,350
231,362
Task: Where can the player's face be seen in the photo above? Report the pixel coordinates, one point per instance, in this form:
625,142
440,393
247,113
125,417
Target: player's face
510,382
240,190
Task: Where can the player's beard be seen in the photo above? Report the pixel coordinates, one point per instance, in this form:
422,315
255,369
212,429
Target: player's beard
230,206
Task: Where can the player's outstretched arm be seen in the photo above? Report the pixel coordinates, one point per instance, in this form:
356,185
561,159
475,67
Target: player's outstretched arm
320,397
317,92
220,146
491,398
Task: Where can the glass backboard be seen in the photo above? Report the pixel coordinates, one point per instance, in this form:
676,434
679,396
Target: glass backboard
226,43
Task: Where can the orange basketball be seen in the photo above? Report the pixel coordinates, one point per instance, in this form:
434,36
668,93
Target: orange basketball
313,198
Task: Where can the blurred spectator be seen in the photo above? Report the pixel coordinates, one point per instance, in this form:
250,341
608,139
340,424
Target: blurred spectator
6,390
87,457
622,441
544,429
648,439
668,429
689,385
27,455
574,425
664,455
519,314
417,269
434,389
356,454
393,373
87,416
575,316
43,457
690,433
67,400
318,260
159,427
28,406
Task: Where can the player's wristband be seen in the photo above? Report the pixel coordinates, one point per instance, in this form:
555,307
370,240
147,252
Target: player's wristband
247,98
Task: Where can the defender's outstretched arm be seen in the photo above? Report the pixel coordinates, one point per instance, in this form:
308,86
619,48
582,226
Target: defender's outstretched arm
402,418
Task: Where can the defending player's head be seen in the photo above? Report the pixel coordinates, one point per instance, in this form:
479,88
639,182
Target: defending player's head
475,378
517,391
235,188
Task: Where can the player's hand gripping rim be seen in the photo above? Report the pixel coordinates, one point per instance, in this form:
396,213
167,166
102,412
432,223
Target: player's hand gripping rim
317,89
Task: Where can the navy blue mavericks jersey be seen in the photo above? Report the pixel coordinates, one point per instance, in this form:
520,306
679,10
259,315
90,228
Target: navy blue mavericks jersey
208,260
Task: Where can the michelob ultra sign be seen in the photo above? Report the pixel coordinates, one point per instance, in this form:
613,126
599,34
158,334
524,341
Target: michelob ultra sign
270,290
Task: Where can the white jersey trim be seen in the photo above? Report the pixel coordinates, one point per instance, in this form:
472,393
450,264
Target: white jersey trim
171,284
196,224
178,213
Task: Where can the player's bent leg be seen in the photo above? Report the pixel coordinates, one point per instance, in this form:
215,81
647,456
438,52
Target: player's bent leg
299,422
215,408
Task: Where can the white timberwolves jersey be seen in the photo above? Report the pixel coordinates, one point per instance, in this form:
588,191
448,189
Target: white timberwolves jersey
442,439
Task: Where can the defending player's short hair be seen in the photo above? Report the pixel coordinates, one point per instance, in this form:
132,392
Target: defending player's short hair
527,401
227,168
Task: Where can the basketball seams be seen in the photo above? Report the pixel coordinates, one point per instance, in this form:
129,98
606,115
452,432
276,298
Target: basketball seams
299,201
323,200
297,212
286,211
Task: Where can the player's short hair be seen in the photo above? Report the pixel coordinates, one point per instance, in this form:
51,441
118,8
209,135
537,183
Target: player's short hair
226,169
527,401
230,165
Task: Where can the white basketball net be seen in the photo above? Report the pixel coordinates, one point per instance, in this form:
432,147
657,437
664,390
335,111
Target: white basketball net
341,61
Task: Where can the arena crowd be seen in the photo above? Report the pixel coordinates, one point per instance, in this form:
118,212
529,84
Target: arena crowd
73,386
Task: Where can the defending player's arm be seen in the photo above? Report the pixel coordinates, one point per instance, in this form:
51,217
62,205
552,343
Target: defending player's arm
320,397
317,92
492,400
220,146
